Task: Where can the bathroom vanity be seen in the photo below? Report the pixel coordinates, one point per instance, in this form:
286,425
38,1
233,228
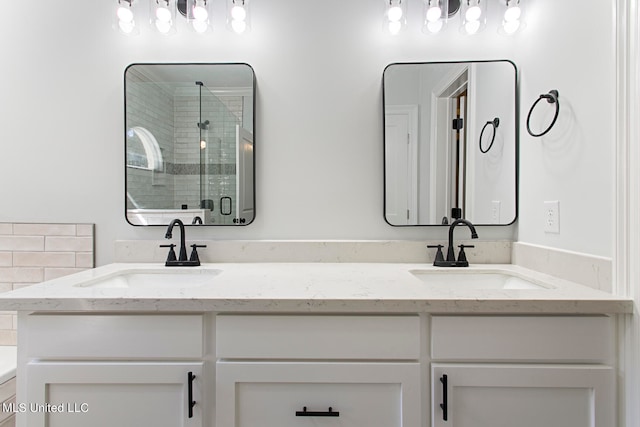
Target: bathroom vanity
243,345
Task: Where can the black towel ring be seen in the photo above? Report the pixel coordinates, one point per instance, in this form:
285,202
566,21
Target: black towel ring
552,98
494,123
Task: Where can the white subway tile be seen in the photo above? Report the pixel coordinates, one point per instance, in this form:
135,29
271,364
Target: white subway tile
5,287
21,243
6,228
44,259
21,274
68,244
44,229
84,260
84,230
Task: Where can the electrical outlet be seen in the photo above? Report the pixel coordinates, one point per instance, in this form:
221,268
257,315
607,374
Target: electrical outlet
552,217
495,211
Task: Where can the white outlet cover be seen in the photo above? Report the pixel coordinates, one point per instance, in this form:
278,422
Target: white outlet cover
551,216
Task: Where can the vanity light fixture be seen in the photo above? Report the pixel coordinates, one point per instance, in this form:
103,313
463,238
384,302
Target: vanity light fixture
162,16
473,16
199,15
395,15
512,18
124,17
435,15
238,16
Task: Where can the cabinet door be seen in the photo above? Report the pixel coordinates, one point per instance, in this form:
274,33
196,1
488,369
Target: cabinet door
111,394
465,395
334,394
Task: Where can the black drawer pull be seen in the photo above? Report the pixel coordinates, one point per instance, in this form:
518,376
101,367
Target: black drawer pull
190,402
329,413
444,405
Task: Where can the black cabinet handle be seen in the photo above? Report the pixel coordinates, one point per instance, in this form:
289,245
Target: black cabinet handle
190,402
329,413
445,404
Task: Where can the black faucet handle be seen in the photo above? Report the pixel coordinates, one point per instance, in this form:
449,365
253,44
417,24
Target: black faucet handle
194,253
172,254
439,255
462,257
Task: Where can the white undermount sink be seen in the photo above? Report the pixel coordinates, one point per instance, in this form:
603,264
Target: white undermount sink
474,280
170,277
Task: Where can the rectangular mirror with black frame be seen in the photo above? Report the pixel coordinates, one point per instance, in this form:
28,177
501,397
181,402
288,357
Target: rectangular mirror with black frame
189,144
450,142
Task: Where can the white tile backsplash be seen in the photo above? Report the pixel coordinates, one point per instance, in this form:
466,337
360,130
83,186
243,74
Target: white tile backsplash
31,253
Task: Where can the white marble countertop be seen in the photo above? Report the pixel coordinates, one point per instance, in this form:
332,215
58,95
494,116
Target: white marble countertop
313,287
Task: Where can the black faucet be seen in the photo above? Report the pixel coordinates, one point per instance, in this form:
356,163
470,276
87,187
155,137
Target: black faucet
451,261
182,260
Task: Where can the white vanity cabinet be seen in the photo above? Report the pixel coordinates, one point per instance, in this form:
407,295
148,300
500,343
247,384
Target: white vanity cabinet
525,371
309,370
112,370
294,370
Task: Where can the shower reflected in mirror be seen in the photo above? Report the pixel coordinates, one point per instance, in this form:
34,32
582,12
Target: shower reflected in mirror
189,144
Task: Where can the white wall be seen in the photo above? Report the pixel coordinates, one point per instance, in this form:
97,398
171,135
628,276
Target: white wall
490,175
574,163
319,116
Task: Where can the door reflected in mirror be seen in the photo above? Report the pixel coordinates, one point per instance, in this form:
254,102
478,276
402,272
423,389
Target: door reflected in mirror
189,144
450,143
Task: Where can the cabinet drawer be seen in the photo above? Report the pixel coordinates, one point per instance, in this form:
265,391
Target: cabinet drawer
580,339
318,337
359,394
73,336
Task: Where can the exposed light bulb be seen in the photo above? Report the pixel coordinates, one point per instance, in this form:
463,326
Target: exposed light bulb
238,26
473,13
512,13
163,27
434,13
200,26
472,27
203,144
238,13
125,14
511,27
435,27
394,13
126,27
200,13
163,14
394,27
